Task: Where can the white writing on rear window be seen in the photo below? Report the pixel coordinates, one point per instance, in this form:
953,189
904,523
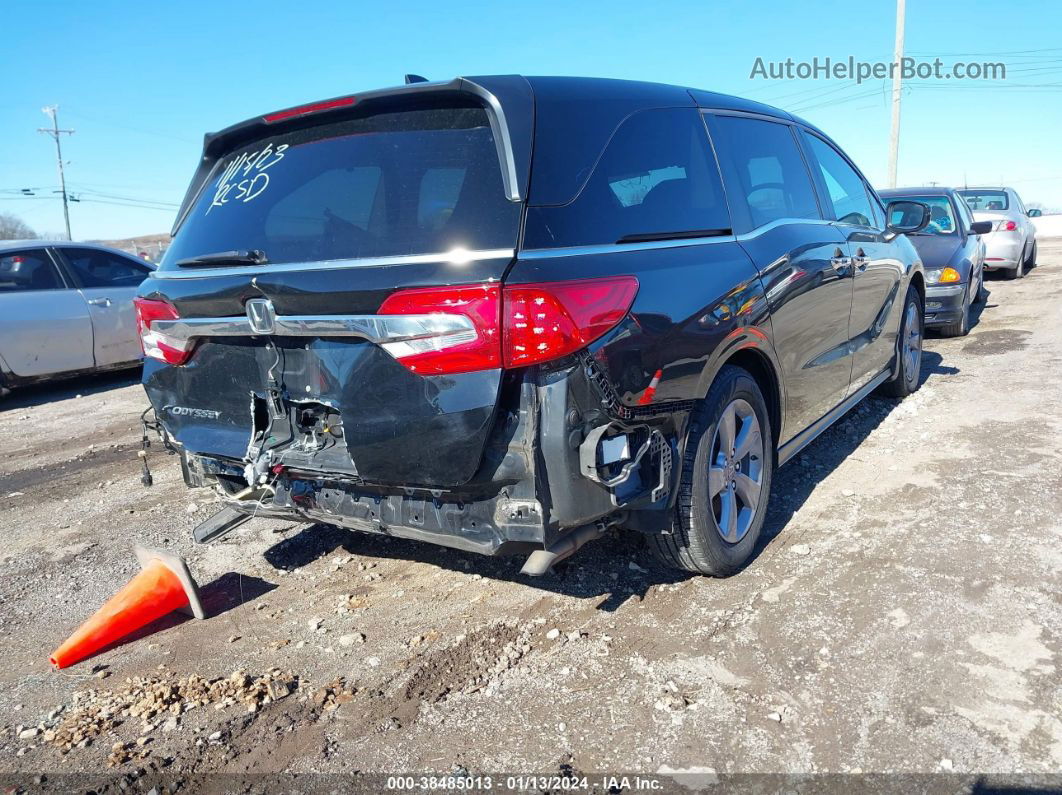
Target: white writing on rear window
245,177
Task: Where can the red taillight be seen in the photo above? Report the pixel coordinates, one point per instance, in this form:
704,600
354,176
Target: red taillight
155,343
314,107
449,330
547,321
1006,226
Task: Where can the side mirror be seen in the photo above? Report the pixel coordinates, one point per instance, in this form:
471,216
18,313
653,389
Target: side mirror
906,217
1034,213
980,227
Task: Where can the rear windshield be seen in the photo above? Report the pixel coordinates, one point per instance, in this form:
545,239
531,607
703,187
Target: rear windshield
986,199
414,182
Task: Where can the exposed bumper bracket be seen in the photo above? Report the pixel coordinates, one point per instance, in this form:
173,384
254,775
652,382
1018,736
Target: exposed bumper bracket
219,525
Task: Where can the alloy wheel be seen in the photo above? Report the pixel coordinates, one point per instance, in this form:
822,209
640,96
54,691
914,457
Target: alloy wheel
735,471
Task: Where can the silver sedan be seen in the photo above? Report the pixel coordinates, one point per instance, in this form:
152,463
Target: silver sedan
1011,245
66,308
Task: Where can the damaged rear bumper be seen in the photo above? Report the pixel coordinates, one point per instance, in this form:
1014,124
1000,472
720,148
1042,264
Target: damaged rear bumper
563,461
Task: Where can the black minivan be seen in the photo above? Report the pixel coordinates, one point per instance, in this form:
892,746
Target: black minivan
505,314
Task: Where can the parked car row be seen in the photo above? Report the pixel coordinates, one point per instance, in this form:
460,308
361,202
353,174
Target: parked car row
66,308
379,311
970,231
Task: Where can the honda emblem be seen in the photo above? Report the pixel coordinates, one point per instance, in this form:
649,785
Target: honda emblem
261,315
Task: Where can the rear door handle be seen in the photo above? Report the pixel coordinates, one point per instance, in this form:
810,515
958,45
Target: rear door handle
841,264
99,302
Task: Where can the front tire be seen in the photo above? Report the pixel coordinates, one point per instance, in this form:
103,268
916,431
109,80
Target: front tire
909,348
726,480
961,327
982,293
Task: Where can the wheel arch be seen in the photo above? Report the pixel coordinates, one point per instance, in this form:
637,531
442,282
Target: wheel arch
758,364
918,281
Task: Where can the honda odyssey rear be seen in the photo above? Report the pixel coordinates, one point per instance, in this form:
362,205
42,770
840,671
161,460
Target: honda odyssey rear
377,313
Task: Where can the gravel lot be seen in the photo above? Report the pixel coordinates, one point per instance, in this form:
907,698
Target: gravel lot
904,614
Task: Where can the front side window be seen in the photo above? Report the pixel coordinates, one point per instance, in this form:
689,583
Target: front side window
23,271
978,200
656,179
765,173
845,188
100,269
409,182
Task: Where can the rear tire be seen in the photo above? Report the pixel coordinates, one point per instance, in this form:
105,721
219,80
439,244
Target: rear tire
726,480
961,327
1018,272
908,348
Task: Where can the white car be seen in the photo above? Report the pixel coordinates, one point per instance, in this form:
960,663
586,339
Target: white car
66,308
1011,245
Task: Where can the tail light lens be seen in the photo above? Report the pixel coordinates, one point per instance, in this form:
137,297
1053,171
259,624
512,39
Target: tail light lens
155,343
445,329
1006,226
550,320
450,330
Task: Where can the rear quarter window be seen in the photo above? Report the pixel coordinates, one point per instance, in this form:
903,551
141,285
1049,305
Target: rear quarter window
656,178
765,173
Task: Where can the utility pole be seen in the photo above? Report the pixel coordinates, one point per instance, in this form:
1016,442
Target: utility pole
894,137
55,132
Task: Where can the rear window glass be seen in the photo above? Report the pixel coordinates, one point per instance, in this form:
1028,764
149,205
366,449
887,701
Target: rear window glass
978,200
420,181
655,179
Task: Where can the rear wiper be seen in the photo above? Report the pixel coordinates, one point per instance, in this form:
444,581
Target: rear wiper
252,257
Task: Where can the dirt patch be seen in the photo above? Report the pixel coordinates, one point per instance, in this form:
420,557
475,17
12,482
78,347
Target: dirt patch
992,343
469,665
75,473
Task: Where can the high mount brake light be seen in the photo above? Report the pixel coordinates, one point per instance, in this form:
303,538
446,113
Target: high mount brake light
480,327
155,344
313,107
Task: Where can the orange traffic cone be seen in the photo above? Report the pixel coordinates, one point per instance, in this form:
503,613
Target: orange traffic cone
163,585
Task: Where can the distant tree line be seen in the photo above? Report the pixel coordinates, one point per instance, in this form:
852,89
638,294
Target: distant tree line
14,228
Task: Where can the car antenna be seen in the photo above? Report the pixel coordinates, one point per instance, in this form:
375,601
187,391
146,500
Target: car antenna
415,79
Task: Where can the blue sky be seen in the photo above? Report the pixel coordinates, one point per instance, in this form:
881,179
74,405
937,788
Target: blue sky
140,83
